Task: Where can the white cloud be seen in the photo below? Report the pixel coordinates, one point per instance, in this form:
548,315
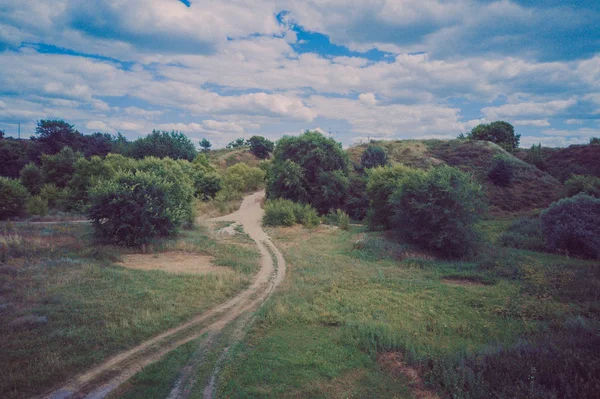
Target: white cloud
531,122
367,99
528,109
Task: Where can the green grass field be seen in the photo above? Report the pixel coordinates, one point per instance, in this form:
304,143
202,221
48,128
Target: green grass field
65,304
513,323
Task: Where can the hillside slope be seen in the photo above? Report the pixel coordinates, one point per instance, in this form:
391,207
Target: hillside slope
575,159
530,189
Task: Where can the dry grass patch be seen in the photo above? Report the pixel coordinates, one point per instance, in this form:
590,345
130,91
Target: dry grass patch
174,262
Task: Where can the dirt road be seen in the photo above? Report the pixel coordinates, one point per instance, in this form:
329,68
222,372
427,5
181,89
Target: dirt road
107,376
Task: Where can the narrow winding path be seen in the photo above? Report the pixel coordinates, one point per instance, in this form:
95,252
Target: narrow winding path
104,378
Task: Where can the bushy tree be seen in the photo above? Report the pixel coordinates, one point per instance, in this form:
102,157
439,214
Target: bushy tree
502,171
438,211
357,199
100,144
237,143
260,146
59,168
382,182
499,132
207,185
205,144
572,225
161,144
15,154
586,184
309,168
88,172
37,206
13,197
242,178
373,156
595,140
32,178
55,134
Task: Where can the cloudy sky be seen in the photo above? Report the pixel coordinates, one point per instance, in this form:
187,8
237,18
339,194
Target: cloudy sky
352,68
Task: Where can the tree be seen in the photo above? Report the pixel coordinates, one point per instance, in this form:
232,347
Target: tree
502,171
13,197
309,168
97,144
260,146
59,168
54,134
373,156
32,178
15,154
1,134
205,145
161,144
595,140
237,143
499,132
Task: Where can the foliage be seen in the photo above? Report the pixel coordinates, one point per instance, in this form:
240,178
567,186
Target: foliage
13,197
373,156
338,218
242,178
357,199
572,225
260,146
101,144
586,184
205,144
37,205
595,140
56,134
207,185
32,178
237,143
51,194
499,132
382,182
309,168
525,233
438,210
282,212
59,168
535,156
502,171
133,208
161,144
15,154
86,174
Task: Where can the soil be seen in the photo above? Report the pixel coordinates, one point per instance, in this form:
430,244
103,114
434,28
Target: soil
174,262
392,363
107,376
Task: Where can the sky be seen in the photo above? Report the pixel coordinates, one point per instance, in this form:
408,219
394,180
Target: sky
354,69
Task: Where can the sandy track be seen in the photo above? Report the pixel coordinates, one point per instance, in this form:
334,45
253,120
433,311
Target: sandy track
107,376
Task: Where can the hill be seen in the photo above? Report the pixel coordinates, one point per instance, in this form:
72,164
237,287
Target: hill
531,188
576,159
225,157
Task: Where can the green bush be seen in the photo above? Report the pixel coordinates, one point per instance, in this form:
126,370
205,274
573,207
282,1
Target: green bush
502,171
260,146
282,212
499,132
338,218
524,233
32,178
373,156
133,208
306,215
207,185
86,173
438,211
572,226
13,197
586,184
161,144
59,168
382,182
37,206
242,178
357,199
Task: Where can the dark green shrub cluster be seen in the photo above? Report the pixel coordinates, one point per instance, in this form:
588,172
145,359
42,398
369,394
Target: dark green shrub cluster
373,156
135,207
438,211
338,218
572,226
37,206
357,198
13,197
502,171
242,178
32,178
585,184
161,144
60,167
499,132
260,146
282,212
524,233
309,168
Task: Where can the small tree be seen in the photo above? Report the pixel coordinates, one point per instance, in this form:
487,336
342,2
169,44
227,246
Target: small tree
373,156
32,178
55,134
595,141
205,145
535,156
161,144
572,225
13,197
59,168
260,146
499,132
502,171
237,143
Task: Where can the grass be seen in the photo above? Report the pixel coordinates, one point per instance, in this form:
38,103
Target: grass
523,322
65,304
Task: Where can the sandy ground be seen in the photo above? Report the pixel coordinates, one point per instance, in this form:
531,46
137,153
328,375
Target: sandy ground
174,262
107,376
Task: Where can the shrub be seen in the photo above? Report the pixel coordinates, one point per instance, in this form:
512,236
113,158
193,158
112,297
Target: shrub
382,182
86,174
595,140
133,208
37,206
59,168
373,156
499,132
32,178
13,197
339,218
207,185
535,156
286,180
586,184
306,215
279,212
572,225
240,177
525,233
357,199
502,171
438,210
161,144
260,146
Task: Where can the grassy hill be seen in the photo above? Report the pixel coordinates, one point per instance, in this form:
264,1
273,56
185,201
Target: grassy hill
531,188
576,159
225,157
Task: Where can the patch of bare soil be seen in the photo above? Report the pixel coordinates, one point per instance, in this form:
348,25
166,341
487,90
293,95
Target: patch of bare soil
174,262
460,282
392,363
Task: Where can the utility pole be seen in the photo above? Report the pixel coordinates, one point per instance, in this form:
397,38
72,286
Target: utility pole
19,131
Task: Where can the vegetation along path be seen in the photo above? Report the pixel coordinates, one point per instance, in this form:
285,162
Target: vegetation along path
106,377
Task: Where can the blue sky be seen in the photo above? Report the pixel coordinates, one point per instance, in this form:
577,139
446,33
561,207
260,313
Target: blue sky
381,69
